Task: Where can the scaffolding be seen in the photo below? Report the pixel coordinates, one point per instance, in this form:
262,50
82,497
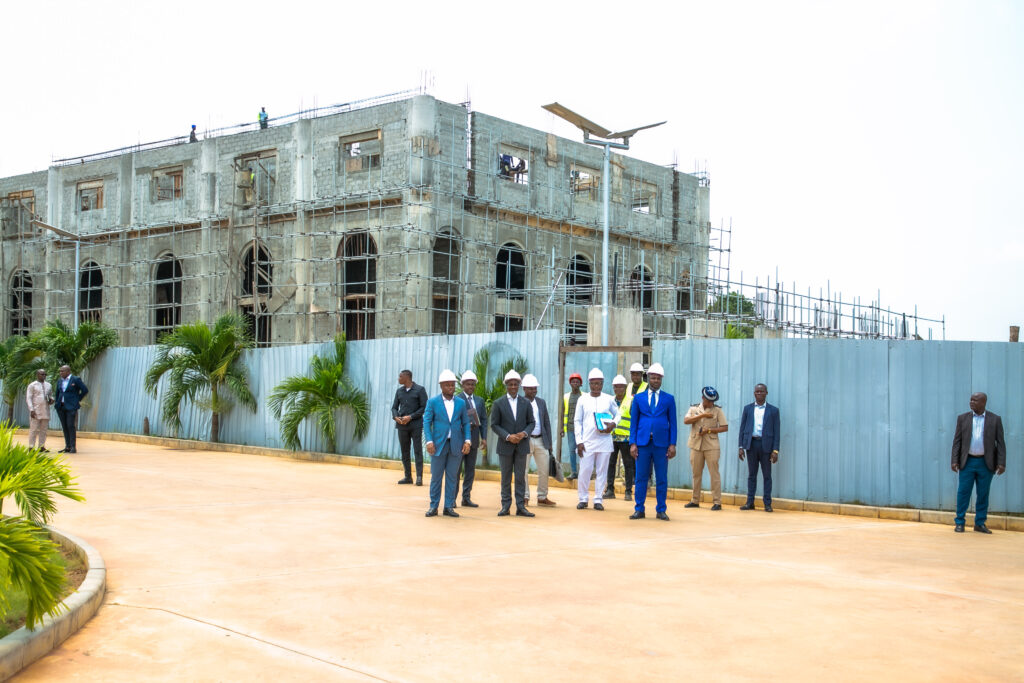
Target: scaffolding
465,239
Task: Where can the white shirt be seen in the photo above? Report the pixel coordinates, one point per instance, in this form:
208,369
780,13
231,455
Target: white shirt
38,396
586,426
758,419
64,383
977,435
652,399
536,418
513,401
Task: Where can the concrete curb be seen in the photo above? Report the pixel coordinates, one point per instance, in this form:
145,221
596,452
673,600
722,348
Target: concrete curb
23,647
996,522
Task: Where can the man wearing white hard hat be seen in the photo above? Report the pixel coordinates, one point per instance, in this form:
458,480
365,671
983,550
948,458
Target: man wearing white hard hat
652,441
540,440
596,415
476,411
512,421
446,429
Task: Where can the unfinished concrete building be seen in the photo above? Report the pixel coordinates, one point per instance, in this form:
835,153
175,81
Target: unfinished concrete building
402,215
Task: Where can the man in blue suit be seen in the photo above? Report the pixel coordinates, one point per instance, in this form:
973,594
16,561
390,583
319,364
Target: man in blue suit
70,392
759,441
445,425
652,440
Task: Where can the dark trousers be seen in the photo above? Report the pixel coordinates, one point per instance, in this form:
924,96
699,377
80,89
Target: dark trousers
468,473
973,473
621,448
69,425
758,456
444,466
411,434
649,457
513,464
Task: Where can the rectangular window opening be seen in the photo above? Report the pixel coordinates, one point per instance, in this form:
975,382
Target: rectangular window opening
168,184
90,195
508,323
644,197
360,152
513,166
18,210
584,183
256,179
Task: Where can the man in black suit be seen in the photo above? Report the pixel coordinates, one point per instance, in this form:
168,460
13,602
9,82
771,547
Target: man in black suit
512,421
70,392
476,410
759,443
979,452
407,411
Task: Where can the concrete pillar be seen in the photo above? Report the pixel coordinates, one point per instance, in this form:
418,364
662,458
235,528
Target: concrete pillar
302,132
207,193
54,208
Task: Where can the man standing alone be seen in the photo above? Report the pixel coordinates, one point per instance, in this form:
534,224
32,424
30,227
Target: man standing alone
706,422
407,412
447,442
512,421
978,453
70,392
39,397
759,441
652,440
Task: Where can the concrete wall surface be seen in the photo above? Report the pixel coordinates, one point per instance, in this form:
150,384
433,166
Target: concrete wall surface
862,420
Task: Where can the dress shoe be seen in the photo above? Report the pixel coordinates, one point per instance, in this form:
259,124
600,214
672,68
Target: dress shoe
598,506
72,450
44,449
572,477
747,506
581,505
405,480
691,504
546,502
628,495
637,515
63,450
419,481
768,508
450,512
662,516
503,512
716,506
959,528
467,503
610,493
523,512
982,529
432,512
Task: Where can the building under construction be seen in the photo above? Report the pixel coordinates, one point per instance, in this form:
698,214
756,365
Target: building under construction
400,215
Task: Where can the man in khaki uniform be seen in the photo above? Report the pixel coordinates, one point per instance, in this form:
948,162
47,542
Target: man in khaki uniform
39,397
706,422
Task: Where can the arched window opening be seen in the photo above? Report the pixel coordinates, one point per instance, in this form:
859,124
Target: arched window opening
21,303
357,267
579,281
510,274
167,296
257,276
90,293
641,287
445,284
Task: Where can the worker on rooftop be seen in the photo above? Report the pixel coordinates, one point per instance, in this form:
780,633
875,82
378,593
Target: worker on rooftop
263,118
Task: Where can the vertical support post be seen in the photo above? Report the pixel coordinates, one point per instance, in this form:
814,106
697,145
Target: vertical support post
606,200
78,278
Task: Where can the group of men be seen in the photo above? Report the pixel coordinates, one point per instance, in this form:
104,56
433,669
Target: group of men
39,396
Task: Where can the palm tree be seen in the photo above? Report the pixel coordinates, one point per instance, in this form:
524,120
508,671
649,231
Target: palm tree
18,364
62,345
490,389
27,553
321,395
201,364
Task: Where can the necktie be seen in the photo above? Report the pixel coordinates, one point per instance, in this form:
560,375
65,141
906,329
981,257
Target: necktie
654,399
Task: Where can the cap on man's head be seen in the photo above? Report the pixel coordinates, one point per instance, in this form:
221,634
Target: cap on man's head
469,374
446,376
710,394
656,369
636,367
575,375
595,374
619,379
512,374
529,381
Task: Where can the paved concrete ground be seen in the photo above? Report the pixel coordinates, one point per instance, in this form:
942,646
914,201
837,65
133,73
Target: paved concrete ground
236,567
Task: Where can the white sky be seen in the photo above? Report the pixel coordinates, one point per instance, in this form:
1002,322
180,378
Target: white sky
869,145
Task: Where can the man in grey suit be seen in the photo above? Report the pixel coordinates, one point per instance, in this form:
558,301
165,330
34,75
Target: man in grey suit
476,411
979,452
512,421
540,440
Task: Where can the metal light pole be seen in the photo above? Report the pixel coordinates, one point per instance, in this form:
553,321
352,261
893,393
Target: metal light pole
590,128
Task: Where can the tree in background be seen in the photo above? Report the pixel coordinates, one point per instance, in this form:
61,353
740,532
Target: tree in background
320,395
201,364
18,365
490,387
62,345
735,304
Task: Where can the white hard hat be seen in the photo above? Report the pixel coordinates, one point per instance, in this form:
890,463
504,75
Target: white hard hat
529,381
446,376
619,379
512,374
468,374
595,374
636,367
656,369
